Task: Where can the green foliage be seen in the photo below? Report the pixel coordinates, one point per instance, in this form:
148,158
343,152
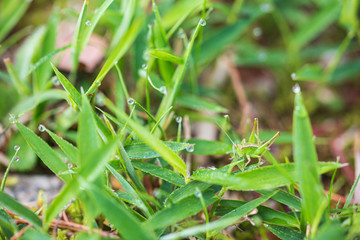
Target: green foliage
125,143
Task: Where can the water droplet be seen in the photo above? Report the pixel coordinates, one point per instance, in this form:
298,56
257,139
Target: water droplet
88,23
16,148
296,88
42,128
144,66
190,148
69,165
131,101
146,56
181,33
100,99
201,168
55,81
202,22
262,56
265,7
98,83
154,7
257,32
212,168
198,193
17,158
12,118
163,90
116,62
178,119
226,116
156,193
293,76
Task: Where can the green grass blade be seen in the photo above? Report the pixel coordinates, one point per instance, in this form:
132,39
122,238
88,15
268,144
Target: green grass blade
143,151
257,179
315,25
74,95
10,18
119,50
33,234
21,87
87,174
186,191
77,37
160,172
93,22
171,157
88,140
31,102
223,222
305,158
129,189
43,72
213,46
207,147
70,150
267,214
165,56
284,198
127,225
199,103
180,210
24,56
285,233
13,39
44,152
352,191
11,204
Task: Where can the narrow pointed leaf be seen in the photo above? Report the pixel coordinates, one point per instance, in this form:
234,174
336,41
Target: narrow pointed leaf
143,151
285,233
165,56
70,150
11,204
44,152
160,172
306,162
69,88
257,179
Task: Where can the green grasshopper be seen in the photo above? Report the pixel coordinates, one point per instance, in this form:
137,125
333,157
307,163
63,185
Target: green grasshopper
244,151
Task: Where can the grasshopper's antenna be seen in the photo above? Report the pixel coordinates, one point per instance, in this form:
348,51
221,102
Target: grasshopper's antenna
225,133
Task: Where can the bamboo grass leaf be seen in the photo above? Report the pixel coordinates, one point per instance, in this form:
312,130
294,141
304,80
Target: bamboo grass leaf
171,157
11,204
306,162
44,152
74,95
160,172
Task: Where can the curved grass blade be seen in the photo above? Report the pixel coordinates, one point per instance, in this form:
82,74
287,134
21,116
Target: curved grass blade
44,152
223,222
76,41
87,174
70,150
11,204
160,172
74,95
165,152
143,151
31,102
180,210
165,56
21,87
126,223
129,189
305,158
10,16
285,233
268,215
257,179
88,140
186,191
207,147
198,103
117,53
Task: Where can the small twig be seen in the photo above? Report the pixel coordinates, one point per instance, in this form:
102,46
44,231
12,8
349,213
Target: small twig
56,225
20,233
